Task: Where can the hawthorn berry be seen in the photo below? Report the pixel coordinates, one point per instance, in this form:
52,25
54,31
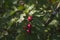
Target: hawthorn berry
29,18
28,31
29,25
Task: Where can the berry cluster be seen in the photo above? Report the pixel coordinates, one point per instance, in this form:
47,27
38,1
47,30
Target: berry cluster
28,28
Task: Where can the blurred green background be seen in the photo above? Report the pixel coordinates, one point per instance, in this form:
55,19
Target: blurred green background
13,19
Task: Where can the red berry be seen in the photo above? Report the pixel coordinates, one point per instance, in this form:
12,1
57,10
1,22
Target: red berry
29,18
29,26
29,31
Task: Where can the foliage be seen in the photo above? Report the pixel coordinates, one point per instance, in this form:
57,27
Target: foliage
14,14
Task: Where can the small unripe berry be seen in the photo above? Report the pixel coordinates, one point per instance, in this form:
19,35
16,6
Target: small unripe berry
25,28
